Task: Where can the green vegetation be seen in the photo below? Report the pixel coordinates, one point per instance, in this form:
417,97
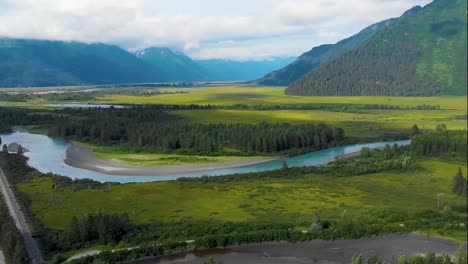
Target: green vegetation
279,198
429,258
26,63
320,55
393,190
11,240
423,54
460,184
362,124
366,195
275,96
40,63
149,129
125,155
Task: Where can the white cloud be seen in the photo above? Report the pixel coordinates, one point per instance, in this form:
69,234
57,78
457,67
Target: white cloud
239,29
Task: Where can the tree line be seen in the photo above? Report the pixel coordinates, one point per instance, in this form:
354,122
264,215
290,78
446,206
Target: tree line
442,143
460,185
96,229
11,240
154,130
174,235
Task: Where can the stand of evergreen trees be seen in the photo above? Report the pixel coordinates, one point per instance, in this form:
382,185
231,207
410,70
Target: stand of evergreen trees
97,229
11,117
151,129
441,143
11,240
460,185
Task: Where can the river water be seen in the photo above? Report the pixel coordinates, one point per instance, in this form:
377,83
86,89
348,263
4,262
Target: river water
317,251
48,154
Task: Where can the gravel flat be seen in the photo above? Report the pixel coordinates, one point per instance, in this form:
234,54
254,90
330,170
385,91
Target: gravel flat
81,157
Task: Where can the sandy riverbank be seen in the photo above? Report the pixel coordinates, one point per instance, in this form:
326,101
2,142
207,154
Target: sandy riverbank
82,157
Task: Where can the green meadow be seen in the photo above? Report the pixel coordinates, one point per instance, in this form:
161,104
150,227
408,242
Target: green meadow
274,96
293,200
365,123
151,159
357,124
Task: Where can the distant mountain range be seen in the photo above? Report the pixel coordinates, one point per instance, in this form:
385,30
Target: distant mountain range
242,70
422,53
31,63
52,63
173,66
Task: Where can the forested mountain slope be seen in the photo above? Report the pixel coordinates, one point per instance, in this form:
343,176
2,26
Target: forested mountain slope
320,55
51,63
424,54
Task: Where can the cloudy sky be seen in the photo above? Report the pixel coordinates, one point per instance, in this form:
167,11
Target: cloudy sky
203,29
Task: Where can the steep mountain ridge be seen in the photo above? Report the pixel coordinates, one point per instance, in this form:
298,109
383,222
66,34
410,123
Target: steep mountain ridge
422,54
322,54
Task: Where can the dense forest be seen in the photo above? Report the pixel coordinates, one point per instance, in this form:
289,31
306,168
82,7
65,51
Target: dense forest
320,55
154,130
11,240
442,143
17,117
420,55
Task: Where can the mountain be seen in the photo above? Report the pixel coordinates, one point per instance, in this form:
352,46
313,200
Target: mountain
28,63
230,70
173,66
423,53
33,63
320,55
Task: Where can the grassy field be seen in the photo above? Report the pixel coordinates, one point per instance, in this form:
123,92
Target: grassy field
291,200
275,96
361,123
148,159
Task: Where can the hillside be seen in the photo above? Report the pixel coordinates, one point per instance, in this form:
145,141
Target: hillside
320,55
35,63
173,66
230,70
423,54
52,63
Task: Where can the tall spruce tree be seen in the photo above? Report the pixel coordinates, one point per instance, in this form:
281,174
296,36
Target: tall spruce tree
459,185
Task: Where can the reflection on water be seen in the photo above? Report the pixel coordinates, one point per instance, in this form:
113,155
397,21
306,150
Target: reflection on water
48,155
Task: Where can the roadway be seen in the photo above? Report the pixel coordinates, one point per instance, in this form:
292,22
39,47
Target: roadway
32,247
